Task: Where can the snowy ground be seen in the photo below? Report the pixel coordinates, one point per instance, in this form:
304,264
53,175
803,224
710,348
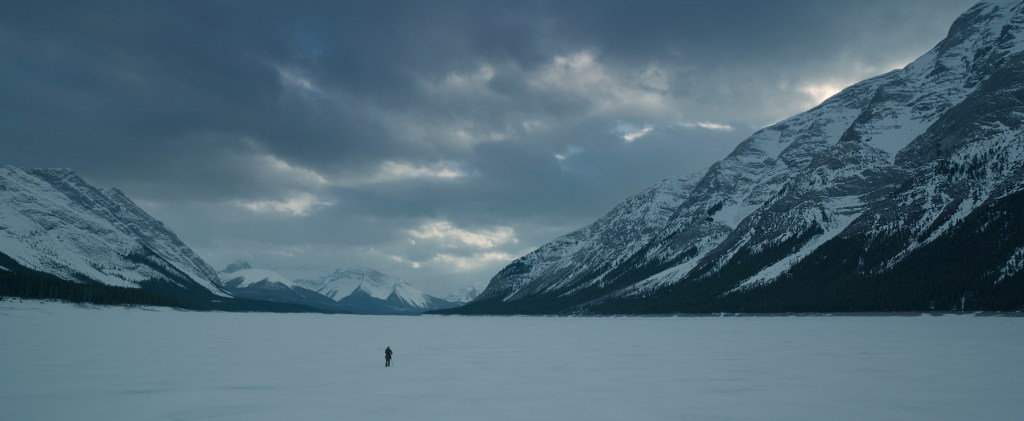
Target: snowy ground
61,362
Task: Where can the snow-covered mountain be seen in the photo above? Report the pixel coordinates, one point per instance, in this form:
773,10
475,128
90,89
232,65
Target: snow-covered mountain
464,294
54,222
365,290
406,296
902,192
242,280
375,296
342,282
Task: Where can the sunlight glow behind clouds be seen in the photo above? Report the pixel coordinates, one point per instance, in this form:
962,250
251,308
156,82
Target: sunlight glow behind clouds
706,125
581,74
296,173
298,205
465,250
472,262
452,236
387,171
629,137
569,152
822,91
475,81
399,259
391,171
293,79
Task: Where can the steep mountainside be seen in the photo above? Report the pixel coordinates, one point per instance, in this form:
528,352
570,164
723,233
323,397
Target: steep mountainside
53,222
898,193
583,257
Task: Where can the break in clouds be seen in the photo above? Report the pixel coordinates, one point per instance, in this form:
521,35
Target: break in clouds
433,141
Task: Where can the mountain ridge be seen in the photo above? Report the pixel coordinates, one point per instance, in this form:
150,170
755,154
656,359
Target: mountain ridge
356,289
54,221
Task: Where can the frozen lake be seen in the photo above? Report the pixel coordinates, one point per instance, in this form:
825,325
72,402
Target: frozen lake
61,362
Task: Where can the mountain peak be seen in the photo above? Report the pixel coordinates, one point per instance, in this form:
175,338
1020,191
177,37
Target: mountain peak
343,281
362,270
248,276
464,294
409,295
376,287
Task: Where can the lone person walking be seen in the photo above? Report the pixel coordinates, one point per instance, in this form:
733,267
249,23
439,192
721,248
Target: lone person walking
387,357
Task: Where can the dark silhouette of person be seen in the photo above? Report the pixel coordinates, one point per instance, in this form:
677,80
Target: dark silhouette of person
387,357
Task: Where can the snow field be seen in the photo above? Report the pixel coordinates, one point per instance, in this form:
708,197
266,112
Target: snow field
61,362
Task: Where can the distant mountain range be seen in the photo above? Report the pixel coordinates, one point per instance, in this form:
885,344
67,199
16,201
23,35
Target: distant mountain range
464,294
60,237
904,192
356,290
241,280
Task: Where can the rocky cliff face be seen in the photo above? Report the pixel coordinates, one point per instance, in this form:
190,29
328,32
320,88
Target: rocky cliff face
837,208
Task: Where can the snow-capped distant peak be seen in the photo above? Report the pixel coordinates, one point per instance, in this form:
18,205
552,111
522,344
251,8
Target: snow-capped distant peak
410,295
252,276
464,294
376,288
343,282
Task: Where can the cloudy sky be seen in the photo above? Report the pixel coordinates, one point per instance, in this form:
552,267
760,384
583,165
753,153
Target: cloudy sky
432,140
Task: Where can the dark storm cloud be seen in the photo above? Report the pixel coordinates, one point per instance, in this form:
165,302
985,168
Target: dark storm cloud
331,133
119,74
